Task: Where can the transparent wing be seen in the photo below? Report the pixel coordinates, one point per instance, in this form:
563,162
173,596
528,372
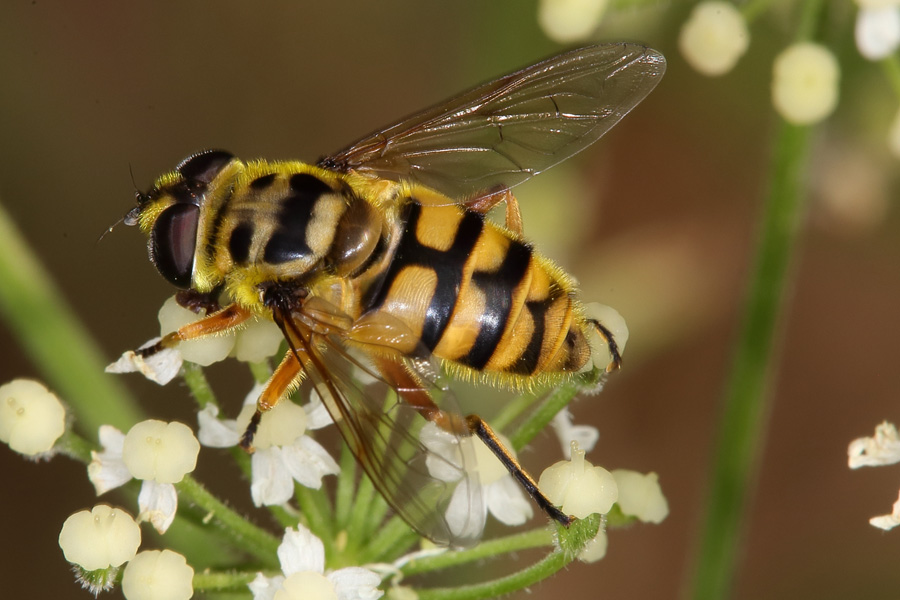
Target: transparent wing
510,129
426,474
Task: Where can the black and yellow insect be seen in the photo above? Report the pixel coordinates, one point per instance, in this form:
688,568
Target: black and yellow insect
380,258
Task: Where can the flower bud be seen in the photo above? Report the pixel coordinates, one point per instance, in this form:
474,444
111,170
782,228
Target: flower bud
158,575
578,487
163,452
281,426
259,340
31,417
566,21
641,496
104,537
714,38
805,83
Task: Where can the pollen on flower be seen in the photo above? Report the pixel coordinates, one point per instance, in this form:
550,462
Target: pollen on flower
714,38
567,21
204,351
163,452
578,487
100,538
805,83
641,496
158,575
31,417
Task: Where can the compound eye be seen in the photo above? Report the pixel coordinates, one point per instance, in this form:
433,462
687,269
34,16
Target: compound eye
173,243
204,167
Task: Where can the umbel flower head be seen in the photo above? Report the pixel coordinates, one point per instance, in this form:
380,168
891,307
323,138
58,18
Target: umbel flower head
31,417
158,453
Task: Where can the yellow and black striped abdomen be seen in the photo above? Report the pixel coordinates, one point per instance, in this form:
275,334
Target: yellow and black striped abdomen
478,297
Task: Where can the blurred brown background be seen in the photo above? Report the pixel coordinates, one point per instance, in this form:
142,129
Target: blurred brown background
671,199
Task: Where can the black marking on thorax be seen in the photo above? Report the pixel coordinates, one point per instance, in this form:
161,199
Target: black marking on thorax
447,265
216,225
498,287
288,240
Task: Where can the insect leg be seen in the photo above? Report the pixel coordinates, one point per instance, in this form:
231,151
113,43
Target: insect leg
479,427
413,394
276,388
607,336
482,203
228,318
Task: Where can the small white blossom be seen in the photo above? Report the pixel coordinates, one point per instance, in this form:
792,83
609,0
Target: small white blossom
567,431
578,487
805,83
595,549
160,367
877,30
888,522
641,496
283,452
100,538
31,417
881,449
714,38
566,21
500,495
258,340
203,351
158,575
302,558
159,453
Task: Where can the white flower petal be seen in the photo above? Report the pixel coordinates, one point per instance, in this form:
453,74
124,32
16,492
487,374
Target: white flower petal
271,481
567,21
878,31
356,583
506,501
264,588
444,460
595,549
300,550
888,522
107,470
585,435
805,83
307,461
157,503
316,413
714,38
214,432
202,351
162,451
161,367
466,522
881,449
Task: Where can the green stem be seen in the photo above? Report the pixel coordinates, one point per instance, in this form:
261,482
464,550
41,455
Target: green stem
346,488
356,525
536,538
231,580
198,385
743,419
539,419
511,411
392,540
319,518
242,533
891,66
56,340
539,571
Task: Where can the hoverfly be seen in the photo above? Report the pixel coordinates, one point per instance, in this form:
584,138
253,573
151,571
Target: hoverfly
379,258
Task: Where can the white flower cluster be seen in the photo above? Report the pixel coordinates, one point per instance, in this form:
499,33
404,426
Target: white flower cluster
98,542
567,21
881,449
158,453
714,38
